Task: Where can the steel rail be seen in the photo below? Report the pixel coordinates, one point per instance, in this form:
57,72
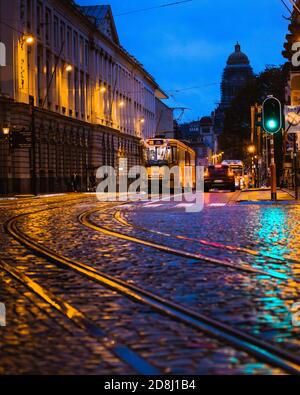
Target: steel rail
121,351
263,351
84,219
120,218
39,201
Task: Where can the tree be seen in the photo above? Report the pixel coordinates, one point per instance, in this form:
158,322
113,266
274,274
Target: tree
237,123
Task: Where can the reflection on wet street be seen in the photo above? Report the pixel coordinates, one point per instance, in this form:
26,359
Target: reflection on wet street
57,303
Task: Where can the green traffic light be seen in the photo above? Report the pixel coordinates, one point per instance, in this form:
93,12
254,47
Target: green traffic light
271,124
271,115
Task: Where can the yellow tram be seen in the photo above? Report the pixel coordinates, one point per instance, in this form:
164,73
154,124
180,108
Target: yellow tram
164,156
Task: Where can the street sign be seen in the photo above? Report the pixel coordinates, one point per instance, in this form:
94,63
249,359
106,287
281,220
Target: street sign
271,115
292,119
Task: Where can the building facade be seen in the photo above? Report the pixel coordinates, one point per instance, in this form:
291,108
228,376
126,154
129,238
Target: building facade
201,137
165,120
77,97
235,76
291,167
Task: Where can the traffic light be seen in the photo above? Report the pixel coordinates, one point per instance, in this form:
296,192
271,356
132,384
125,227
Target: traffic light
272,115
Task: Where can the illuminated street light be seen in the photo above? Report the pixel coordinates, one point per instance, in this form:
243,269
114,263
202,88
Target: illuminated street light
29,40
68,68
122,103
142,120
6,130
103,89
251,149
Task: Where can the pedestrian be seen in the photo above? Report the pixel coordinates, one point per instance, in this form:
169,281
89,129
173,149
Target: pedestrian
75,182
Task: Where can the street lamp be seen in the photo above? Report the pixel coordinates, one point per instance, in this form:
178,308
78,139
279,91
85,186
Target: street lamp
68,68
6,130
122,103
29,40
251,149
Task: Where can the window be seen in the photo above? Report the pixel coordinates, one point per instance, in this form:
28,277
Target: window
81,51
86,54
69,42
62,34
39,71
48,72
29,14
39,22
76,87
55,28
206,130
22,11
75,47
82,93
48,25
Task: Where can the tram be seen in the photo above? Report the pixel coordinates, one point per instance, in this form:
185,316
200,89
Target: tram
163,155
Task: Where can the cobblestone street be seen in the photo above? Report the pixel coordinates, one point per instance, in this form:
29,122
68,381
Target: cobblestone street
88,286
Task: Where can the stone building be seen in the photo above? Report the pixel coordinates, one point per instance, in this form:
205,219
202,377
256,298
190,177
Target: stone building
165,120
93,101
236,74
200,136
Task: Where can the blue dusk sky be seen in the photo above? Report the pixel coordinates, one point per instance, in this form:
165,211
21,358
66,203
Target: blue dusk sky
187,45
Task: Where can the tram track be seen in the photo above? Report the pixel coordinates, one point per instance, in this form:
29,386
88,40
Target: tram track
261,350
124,353
119,217
85,219
18,205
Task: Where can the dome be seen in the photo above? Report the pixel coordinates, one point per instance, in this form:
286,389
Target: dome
206,121
238,57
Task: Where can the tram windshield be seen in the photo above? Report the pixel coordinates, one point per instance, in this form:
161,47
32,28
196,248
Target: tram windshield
158,155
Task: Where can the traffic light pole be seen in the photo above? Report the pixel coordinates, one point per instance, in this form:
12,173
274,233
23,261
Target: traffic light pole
273,171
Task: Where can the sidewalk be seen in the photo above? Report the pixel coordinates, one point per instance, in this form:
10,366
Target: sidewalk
291,191
263,196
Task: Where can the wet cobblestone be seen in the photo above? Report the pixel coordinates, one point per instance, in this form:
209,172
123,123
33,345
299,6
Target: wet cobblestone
252,302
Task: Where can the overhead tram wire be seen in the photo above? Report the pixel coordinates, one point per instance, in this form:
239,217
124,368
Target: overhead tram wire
286,6
295,5
192,88
153,8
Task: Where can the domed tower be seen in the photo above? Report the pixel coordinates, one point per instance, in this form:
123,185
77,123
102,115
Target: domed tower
235,76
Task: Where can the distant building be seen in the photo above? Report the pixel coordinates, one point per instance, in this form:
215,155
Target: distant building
235,76
200,136
164,120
